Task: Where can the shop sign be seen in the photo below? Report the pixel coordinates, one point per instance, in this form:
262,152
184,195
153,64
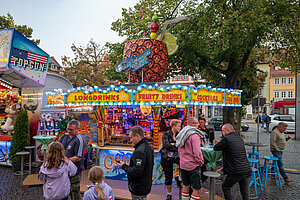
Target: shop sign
112,96
233,98
155,95
55,99
205,95
134,63
5,47
28,59
170,113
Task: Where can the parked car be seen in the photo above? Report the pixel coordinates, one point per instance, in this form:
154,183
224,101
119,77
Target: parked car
217,121
288,119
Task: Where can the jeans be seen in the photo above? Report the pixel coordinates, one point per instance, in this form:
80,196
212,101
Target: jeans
75,187
230,180
137,197
278,154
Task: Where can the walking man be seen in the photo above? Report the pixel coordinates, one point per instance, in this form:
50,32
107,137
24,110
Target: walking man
277,144
188,142
74,148
235,162
268,121
140,170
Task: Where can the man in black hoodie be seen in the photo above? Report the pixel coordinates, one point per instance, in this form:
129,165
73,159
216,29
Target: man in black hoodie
235,162
140,170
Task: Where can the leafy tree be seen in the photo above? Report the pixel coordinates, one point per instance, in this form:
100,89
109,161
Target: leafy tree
9,22
20,138
88,66
220,41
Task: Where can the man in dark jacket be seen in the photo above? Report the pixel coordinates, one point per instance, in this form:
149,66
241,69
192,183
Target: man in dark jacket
235,162
140,170
209,133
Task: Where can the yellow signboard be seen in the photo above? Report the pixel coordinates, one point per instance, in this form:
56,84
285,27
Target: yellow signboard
112,96
155,95
233,98
55,99
205,95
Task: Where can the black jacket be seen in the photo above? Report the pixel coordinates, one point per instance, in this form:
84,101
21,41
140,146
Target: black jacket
140,170
167,139
209,134
235,160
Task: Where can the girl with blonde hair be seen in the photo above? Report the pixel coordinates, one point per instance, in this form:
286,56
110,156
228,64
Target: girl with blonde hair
99,190
55,173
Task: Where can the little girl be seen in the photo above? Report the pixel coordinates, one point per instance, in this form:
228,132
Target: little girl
55,173
99,190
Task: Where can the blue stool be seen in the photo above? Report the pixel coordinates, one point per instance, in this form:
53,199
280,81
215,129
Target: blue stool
273,171
254,154
255,175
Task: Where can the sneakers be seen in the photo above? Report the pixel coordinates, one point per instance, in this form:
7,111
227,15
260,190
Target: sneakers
288,180
169,197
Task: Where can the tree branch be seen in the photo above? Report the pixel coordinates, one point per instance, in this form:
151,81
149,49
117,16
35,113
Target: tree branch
170,17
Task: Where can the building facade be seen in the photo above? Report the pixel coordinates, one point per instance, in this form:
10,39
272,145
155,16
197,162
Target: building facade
282,91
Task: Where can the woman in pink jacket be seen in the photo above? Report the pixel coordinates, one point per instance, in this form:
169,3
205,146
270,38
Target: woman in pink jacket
55,173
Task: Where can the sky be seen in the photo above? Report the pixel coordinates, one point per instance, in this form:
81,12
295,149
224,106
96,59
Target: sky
60,23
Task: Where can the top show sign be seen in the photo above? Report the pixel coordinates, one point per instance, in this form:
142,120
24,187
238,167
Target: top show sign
23,56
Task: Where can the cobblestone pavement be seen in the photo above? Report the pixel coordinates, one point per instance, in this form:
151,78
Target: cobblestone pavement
10,184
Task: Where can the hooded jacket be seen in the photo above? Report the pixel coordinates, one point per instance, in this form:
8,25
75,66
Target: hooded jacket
56,181
91,193
185,133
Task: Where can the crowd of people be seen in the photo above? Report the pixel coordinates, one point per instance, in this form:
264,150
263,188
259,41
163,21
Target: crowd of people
61,171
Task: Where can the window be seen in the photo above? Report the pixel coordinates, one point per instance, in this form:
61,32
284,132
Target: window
291,81
174,77
276,95
283,94
290,94
180,77
186,78
276,81
283,81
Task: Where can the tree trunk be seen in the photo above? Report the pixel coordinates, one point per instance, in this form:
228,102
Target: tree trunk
231,115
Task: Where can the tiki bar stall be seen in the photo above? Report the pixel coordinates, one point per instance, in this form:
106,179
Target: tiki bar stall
118,108
23,71
145,101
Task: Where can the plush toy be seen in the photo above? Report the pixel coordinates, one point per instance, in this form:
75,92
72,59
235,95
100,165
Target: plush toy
12,111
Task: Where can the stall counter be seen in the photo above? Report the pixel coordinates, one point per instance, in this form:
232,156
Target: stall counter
107,161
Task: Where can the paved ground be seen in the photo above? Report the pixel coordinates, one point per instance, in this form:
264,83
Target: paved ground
10,189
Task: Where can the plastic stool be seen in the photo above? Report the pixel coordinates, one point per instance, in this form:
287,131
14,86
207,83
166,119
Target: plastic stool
254,154
273,171
22,153
30,148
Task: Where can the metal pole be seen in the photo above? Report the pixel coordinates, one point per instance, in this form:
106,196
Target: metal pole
297,95
258,106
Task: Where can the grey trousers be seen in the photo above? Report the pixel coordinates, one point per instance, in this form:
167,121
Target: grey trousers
75,187
136,197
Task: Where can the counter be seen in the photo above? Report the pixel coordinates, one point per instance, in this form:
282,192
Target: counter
108,155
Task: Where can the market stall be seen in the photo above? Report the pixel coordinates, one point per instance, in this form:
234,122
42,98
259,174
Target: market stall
151,106
23,71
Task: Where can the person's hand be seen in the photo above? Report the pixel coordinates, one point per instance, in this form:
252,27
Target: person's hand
289,137
173,143
215,141
120,163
